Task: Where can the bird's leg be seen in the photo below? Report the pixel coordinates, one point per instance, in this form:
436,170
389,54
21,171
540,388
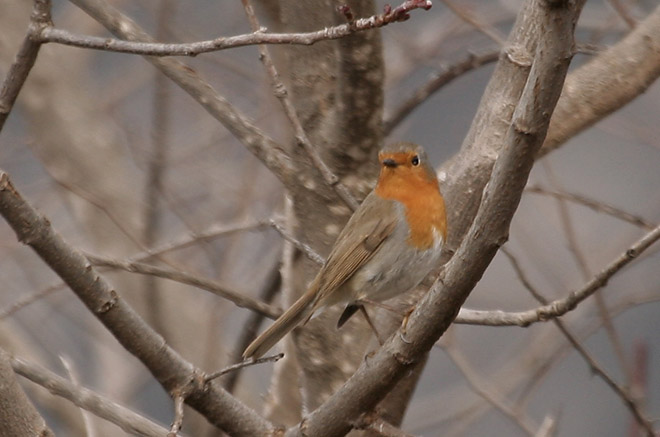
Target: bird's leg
389,308
363,310
404,324
379,304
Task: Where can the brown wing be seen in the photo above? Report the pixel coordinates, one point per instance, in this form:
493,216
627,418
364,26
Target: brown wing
356,245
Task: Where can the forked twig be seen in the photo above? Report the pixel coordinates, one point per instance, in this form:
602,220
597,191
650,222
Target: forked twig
251,362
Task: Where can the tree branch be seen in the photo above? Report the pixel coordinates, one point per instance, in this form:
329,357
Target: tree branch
17,414
280,91
123,417
240,299
171,370
481,387
146,47
464,14
258,143
559,307
435,82
607,82
25,58
594,205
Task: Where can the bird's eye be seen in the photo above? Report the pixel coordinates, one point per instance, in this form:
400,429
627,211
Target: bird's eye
415,160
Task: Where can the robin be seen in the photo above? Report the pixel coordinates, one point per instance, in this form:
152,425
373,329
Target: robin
389,245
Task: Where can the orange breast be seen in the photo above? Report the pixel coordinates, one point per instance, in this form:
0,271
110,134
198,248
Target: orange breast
424,206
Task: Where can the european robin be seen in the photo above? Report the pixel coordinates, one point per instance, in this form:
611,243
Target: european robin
389,245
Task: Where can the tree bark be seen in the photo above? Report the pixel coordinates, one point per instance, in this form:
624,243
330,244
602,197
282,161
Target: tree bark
17,414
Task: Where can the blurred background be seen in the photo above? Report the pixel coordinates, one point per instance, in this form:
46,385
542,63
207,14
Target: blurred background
121,160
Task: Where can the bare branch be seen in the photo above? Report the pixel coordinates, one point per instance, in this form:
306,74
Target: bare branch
170,369
592,91
581,258
123,417
145,46
573,340
378,427
156,168
177,423
280,91
214,231
468,17
250,328
17,414
560,307
436,81
620,391
548,427
272,358
596,205
446,75
97,202
86,416
240,299
639,386
304,248
480,386
25,58
270,153
29,299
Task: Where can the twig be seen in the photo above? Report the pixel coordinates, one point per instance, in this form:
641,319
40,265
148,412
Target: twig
639,385
266,149
172,371
213,231
580,106
593,364
240,299
88,196
541,359
583,265
377,426
469,18
156,167
123,417
548,427
446,75
559,307
272,358
29,299
89,430
280,91
25,58
436,81
147,47
305,248
18,414
593,204
251,325
628,400
177,422
480,386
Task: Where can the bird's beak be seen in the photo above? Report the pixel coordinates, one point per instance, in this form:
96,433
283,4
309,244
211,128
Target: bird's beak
389,162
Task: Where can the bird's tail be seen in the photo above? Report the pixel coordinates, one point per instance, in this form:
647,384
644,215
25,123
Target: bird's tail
299,312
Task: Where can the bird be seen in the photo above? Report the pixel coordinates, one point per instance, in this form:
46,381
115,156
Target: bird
389,245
